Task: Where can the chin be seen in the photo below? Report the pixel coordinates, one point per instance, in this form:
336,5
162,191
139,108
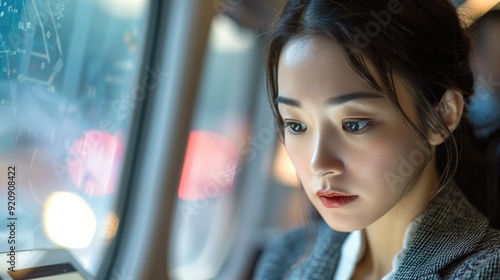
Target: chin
343,225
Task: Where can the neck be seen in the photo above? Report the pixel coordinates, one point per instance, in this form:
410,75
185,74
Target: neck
384,238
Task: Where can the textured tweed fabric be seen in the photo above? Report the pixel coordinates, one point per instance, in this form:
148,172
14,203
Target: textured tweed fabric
453,241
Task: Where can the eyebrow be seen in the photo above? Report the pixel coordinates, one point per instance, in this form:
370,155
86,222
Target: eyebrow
332,101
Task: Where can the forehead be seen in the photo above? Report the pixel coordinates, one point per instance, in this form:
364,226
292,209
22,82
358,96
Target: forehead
315,69
317,65
307,48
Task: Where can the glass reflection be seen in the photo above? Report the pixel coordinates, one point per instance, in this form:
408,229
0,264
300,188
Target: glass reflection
68,90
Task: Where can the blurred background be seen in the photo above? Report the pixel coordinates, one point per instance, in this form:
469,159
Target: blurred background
142,138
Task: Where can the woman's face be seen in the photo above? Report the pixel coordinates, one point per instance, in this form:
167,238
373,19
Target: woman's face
351,148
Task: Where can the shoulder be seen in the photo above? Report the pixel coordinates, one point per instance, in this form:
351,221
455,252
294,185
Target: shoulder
281,253
453,241
311,252
482,263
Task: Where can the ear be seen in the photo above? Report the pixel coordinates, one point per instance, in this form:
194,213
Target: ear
450,109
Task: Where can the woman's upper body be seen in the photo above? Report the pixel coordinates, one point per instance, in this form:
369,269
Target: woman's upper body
452,241
370,98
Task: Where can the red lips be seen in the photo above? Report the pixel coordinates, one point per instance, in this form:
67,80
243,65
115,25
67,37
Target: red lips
333,199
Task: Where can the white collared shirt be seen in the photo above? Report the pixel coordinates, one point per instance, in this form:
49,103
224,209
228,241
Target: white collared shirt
354,248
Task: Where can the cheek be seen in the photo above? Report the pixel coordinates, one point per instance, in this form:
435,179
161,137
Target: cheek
299,156
389,163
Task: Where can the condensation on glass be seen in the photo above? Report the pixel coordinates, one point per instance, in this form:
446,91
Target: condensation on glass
68,90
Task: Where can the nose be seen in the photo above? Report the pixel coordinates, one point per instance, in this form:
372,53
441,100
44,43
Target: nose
325,157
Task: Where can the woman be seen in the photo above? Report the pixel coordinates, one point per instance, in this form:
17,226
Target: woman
370,96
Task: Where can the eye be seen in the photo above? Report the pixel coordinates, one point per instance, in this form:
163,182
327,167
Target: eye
295,127
356,126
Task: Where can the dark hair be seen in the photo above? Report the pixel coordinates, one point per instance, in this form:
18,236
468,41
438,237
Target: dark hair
421,42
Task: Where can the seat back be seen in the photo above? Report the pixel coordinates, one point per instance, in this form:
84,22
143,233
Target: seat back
492,154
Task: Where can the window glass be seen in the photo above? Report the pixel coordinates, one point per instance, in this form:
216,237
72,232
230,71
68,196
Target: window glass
208,192
68,90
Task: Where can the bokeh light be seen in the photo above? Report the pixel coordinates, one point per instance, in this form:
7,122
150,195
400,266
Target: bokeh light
210,166
94,162
111,225
68,220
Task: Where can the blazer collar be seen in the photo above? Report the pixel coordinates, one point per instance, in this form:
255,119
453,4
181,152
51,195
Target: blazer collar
451,227
325,255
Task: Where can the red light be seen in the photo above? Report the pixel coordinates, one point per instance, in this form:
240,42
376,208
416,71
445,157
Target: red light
210,166
95,161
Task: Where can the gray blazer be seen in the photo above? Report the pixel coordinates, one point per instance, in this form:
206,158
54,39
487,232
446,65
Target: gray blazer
453,241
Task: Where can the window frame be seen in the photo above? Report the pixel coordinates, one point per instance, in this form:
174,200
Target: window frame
177,37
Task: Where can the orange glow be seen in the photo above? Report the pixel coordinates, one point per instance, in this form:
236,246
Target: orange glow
111,225
283,169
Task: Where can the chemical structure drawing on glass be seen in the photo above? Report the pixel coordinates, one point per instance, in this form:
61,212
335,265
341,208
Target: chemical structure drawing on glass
31,49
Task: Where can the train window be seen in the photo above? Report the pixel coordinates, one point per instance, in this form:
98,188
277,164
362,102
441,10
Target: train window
208,192
68,93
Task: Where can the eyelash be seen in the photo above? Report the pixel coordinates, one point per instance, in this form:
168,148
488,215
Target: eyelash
347,126
366,125
290,125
